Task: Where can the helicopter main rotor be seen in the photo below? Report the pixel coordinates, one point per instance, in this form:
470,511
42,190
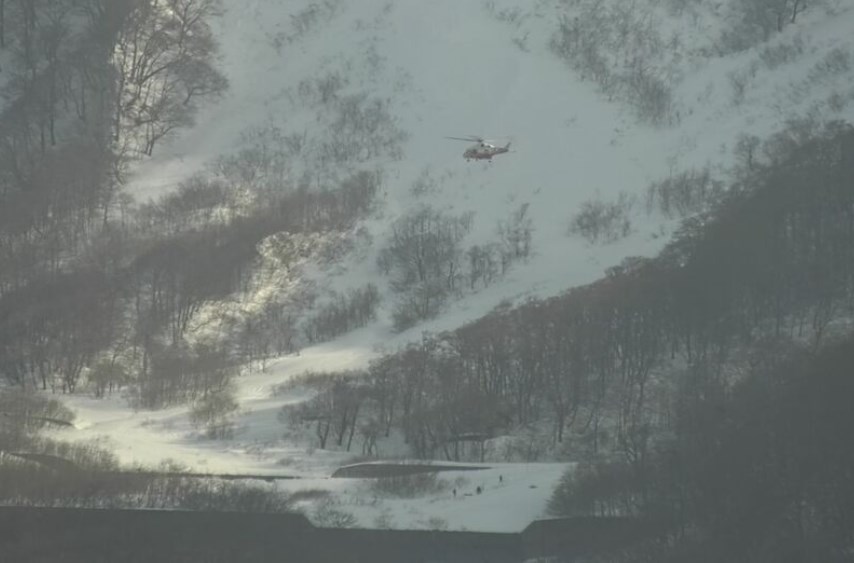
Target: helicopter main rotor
470,139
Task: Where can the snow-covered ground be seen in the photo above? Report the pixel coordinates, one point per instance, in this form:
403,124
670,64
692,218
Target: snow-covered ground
448,67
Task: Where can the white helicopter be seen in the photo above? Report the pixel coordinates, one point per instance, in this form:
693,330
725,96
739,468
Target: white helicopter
482,149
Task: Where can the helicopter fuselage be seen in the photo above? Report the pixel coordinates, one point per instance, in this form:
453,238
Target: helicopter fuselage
484,151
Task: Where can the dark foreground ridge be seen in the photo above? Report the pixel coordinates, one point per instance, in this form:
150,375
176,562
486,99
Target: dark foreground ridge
73,535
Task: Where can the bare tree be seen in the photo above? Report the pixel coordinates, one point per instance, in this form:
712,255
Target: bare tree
759,19
423,259
2,24
164,53
335,408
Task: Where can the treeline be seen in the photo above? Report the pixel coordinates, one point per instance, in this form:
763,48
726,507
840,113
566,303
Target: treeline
91,83
761,471
57,187
353,309
133,70
69,103
606,366
35,471
26,482
99,291
751,461
123,310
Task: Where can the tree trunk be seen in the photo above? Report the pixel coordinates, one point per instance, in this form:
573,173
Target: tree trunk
798,7
352,427
323,432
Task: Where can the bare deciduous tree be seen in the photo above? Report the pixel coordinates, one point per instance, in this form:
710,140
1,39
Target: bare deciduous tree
164,54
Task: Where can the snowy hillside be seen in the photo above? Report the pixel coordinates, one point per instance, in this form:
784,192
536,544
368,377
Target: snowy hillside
449,68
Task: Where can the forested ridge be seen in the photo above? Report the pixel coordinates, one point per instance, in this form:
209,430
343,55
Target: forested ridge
97,289
702,388
771,265
94,285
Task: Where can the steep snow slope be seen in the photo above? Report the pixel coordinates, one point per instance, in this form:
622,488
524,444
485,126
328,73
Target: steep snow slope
447,67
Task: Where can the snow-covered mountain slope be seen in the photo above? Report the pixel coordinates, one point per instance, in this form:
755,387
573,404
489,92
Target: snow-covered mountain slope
449,68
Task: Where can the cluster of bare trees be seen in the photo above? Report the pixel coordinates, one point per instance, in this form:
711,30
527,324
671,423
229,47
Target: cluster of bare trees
81,74
759,471
98,482
51,206
54,327
356,127
620,48
119,313
750,463
173,277
347,311
623,49
427,264
23,415
692,191
164,52
133,70
35,471
58,60
335,408
92,288
602,221
422,259
58,161
754,21
567,361
417,391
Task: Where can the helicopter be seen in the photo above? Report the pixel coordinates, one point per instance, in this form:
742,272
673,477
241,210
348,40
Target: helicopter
482,149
